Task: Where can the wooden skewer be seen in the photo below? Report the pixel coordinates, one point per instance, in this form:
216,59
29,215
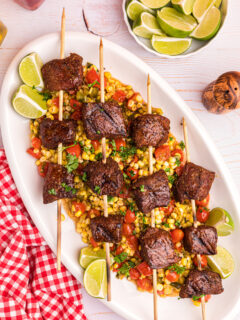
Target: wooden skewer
60,116
193,211
105,203
149,106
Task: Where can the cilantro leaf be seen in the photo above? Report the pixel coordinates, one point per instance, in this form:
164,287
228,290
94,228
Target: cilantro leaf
84,176
90,85
52,191
195,298
182,145
125,268
97,189
126,152
121,257
142,188
72,163
178,269
68,188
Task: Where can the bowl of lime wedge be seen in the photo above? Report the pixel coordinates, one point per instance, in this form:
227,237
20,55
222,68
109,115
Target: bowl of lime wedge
175,28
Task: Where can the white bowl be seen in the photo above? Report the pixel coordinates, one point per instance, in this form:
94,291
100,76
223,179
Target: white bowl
196,46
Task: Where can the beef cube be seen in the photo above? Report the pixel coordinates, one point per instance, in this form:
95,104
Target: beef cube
63,74
150,130
152,191
103,120
104,178
201,282
107,229
58,184
194,183
52,132
157,248
201,240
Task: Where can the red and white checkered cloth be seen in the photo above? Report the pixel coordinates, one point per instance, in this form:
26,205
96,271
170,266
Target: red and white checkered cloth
30,285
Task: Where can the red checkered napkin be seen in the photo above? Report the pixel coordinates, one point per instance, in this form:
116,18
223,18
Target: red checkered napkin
30,285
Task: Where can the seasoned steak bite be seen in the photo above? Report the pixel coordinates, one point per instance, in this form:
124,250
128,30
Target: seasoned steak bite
58,184
63,74
194,183
201,240
201,282
157,248
52,132
103,120
107,229
104,178
152,191
150,130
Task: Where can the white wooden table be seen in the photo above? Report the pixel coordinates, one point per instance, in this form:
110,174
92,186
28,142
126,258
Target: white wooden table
188,76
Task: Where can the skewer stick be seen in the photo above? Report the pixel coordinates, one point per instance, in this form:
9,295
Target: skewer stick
193,211
149,106
105,203
60,116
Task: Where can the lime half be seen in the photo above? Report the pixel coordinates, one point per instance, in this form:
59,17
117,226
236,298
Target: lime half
155,4
146,25
184,6
29,102
95,279
217,3
170,46
135,8
174,23
201,7
209,25
30,70
87,255
222,262
222,221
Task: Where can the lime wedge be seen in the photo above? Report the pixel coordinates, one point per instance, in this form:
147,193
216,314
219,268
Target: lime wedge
155,4
174,23
222,221
135,8
217,3
222,262
146,25
170,46
201,7
88,255
29,103
184,6
30,70
95,279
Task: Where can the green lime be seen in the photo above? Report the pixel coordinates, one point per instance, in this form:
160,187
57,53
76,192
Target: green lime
201,7
135,8
209,26
29,103
30,70
170,46
155,4
222,262
146,25
217,3
174,23
95,278
222,221
88,255
184,6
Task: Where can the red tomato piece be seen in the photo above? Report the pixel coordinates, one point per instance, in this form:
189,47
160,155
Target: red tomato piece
120,143
135,159
93,76
177,235
203,261
42,169
162,153
132,173
33,154
119,96
134,274
95,144
118,266
144,269
169,209
127,229
130,216
79,206
202,214
179,170
94,212
160,293
125,192
132,241
180,152
172,276
76,115
55,101
204,202
119,250
75,104
74,150
93,243
36,143
145,284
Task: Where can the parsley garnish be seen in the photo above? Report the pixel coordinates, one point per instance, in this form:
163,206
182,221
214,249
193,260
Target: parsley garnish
171,179
114,148
52,191
126,267
171,138
142,188
134,232
84,176
177,223
131,205
46,95
178,269
178,162
167,170
90,85
125,176
121,257
195,298
182,145
126,152
98,156
166,225
109,198
68,188
97,189
72,162
98,132
123,213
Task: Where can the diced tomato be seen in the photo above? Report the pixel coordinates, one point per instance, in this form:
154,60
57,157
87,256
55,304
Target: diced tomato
75,104
93,76
74,150
204,202
160,293
76,115
177,235
36,143
179,170
95,144
180,152
120,143
94,212
119,250
169,209
144,269
79,206
162,153
203,261
127,229
117,267
125,192
55,101
145,284
134,274
132,173
207,297
93,243
42,169
132,241
172,276
135,159
130,216
119,96
202,214
33,154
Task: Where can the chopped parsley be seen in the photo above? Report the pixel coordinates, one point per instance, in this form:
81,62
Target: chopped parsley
98,132
131,206
84,176
121,257
87,149
178,269
110,198
195,298
126,152
172,178
167,170
125,176
72,162
171,138
52,191
99,156
132,173
134,232
90,85
142,188
123,213
166,225
177,223
182,145
46,95
114,148
68,188
178,162
97,189
125,268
